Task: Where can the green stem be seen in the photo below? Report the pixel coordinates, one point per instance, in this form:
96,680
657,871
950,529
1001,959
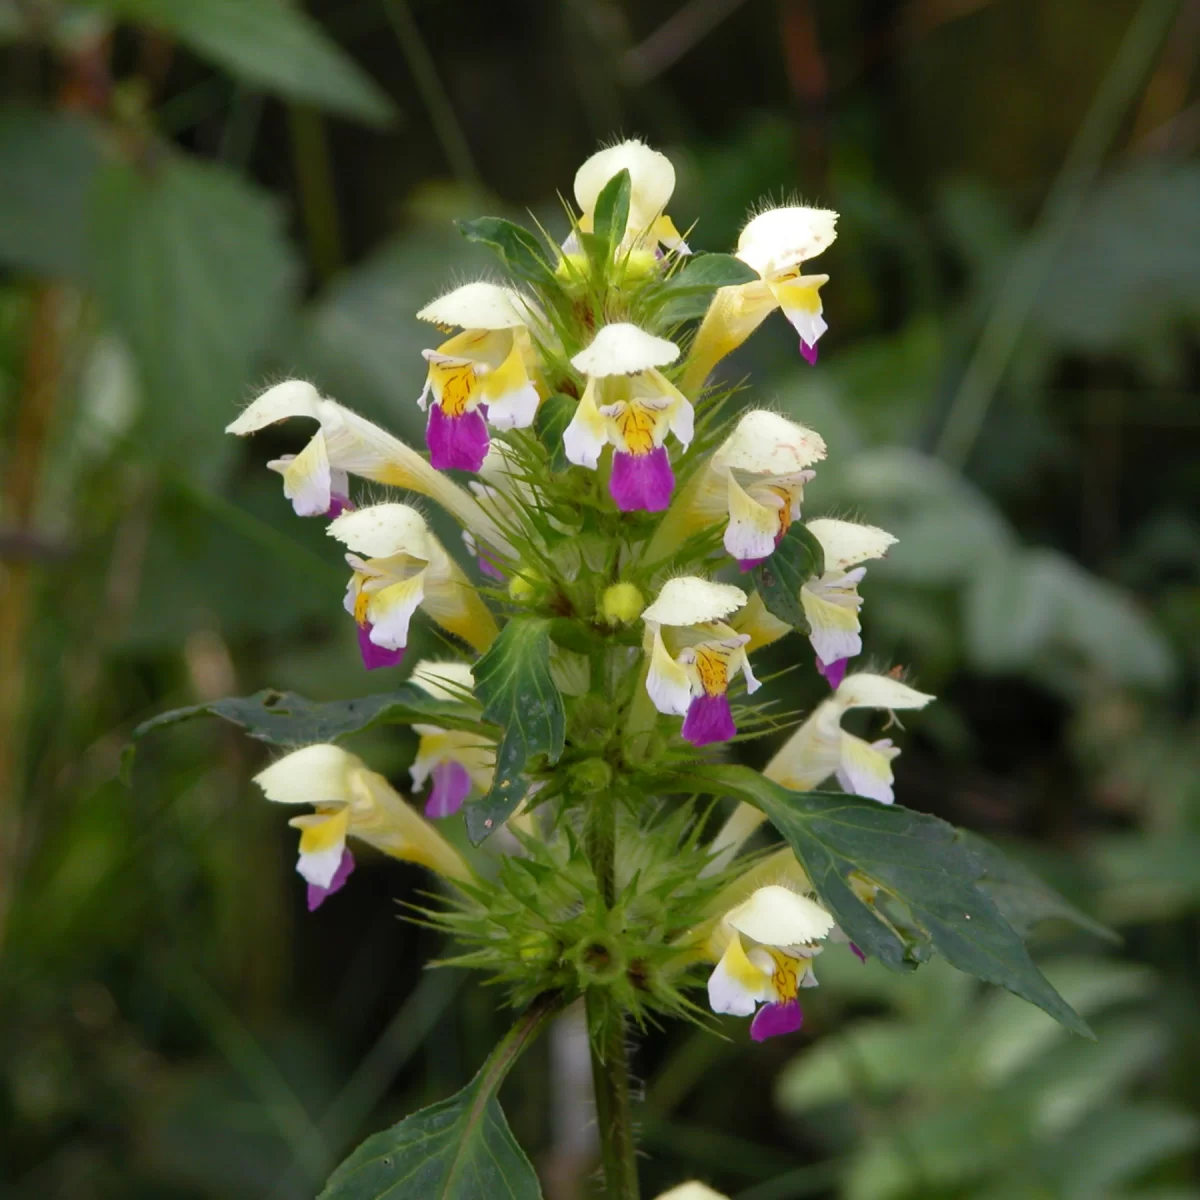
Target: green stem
606,1027
614,1105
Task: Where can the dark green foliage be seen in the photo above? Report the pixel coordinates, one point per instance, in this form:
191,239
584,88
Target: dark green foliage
688,292
797,558
268,45
513,681
285,719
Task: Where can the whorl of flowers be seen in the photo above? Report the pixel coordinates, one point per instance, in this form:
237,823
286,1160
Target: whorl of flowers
621,527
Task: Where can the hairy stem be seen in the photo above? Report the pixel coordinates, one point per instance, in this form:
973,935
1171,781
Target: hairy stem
606,1028
614,1105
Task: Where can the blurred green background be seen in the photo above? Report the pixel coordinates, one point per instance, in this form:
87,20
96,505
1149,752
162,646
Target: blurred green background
200,196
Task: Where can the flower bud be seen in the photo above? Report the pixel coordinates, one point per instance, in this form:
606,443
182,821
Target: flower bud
591,776
524,586
622,604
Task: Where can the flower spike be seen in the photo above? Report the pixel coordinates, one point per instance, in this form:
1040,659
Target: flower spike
406,567
350,800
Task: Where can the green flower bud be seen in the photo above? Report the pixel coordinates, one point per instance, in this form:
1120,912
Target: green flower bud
622,604
590,776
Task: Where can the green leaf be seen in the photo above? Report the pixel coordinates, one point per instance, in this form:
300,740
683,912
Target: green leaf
191,266
1023,898
48,163
460,1149
798,558
514,683
611,216
690,290
521,252
285,719
913,858
553,416
266,44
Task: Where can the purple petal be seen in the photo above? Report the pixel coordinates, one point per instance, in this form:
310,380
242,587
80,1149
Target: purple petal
834,672
642,482
857,953
451,786
318,895
809,352
456,443
708,720
489,568
774,1020
374,656
338,505
748,564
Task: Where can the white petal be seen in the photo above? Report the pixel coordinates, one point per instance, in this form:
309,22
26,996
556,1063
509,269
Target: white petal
765,443
866,768
444,680
690,600
878,691
383,530
683,422
295,398
777,916
479,305
667,681
809,325
307,478
752,684
651,179
812,753
847,543
313,775
390,611
624,349
587,434
515,409
737,986
692,1191
320,868
785,237
834,630
752,526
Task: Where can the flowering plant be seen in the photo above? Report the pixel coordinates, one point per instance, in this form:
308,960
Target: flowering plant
631,541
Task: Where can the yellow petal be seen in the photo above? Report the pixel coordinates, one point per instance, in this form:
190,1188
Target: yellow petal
318,774
320,832
307,478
